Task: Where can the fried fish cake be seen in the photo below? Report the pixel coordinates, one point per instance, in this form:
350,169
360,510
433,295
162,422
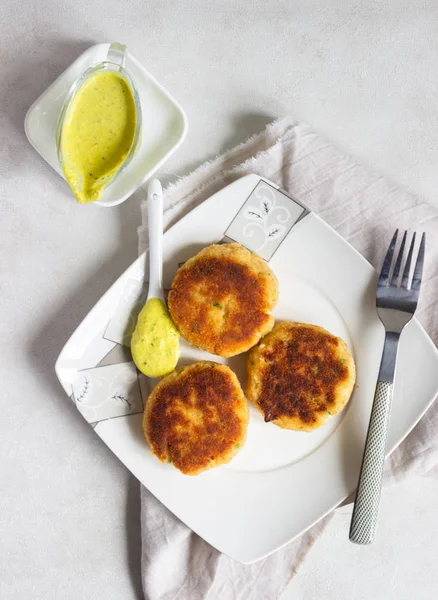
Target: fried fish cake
222,299
300,375
197,417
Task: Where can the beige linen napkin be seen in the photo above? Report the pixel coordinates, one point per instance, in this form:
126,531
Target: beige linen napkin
365,209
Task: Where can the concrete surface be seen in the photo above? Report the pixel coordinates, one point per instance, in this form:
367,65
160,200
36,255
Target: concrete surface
362,73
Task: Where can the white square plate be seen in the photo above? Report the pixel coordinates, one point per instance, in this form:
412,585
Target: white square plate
282,482
164,123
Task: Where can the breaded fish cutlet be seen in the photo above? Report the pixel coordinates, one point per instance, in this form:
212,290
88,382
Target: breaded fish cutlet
300,375
197,417
222,299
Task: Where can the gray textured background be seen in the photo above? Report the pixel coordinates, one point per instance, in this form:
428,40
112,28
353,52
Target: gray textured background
365,75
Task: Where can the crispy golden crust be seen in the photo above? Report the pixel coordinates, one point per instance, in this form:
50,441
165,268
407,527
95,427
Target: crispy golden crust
197,417
300,375
222,299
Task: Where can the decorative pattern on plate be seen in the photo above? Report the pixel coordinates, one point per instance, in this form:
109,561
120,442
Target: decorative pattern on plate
124,318
265,219
107,392
146,385
118,354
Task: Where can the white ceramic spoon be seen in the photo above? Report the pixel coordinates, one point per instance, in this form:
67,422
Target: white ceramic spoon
155,341
155,228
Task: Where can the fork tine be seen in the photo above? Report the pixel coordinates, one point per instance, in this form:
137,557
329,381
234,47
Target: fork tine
384,273
418,271
396,273
405,278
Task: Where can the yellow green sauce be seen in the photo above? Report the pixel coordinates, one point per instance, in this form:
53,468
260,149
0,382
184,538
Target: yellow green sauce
155,341
98,133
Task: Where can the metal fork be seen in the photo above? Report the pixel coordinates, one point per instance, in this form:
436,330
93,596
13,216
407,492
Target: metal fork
396,304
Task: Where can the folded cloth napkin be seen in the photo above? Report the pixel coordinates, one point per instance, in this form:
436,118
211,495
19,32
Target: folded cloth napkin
365,209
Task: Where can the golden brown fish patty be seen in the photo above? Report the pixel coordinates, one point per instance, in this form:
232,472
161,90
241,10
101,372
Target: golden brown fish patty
300,375
197,417
222,299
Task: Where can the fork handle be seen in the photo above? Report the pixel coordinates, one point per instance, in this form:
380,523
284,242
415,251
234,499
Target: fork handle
366,506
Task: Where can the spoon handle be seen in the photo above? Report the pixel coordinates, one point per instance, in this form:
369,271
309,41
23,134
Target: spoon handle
155,226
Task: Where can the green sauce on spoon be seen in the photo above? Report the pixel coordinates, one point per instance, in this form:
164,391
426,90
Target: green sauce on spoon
155,341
